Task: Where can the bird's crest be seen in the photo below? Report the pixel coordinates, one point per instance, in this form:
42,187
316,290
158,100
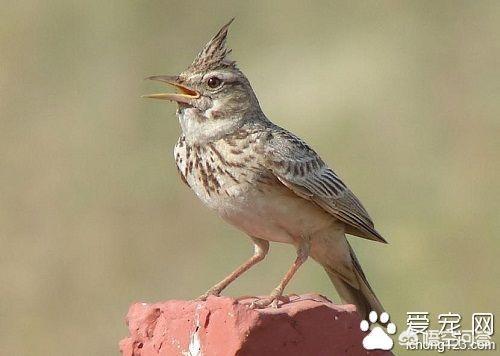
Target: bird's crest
213,55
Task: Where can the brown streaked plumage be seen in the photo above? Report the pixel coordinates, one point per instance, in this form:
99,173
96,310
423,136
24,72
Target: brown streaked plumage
262,179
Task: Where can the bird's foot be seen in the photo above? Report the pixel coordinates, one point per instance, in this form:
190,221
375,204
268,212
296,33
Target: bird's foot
272,301
212,291
264,303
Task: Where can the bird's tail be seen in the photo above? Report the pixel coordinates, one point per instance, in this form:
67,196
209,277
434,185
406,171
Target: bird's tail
358,291
333,252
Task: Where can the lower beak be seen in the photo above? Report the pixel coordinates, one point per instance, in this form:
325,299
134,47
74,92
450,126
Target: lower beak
185,95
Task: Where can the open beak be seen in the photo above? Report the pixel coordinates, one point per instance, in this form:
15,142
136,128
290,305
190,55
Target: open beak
185,94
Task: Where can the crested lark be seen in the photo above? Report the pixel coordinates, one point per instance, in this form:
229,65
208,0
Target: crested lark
262,179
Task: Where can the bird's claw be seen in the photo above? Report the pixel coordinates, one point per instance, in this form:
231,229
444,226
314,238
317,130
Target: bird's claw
212,291
264,303
271,301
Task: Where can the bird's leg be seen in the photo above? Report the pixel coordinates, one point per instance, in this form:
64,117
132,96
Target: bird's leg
302,255
261,247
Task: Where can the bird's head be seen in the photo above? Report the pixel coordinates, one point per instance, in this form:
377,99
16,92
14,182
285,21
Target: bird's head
213,95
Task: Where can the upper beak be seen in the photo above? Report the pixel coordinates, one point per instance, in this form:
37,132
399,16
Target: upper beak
185,96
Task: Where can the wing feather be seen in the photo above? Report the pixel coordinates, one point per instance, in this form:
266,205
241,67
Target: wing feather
300,169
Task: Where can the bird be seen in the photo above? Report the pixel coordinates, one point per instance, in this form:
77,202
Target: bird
264,180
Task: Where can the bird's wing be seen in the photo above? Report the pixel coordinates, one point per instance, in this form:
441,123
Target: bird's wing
300,169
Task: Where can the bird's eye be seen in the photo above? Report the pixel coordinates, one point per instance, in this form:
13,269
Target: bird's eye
214,82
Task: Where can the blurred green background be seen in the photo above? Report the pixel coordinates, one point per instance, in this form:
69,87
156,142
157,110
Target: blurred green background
400,97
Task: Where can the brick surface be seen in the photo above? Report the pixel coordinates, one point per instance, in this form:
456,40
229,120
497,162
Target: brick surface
221,326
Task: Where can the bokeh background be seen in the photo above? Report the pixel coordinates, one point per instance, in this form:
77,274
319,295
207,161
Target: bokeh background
400,97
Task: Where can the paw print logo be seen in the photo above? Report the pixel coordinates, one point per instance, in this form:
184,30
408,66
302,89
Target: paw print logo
378,339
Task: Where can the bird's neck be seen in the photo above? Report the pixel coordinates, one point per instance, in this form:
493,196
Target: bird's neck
201,130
